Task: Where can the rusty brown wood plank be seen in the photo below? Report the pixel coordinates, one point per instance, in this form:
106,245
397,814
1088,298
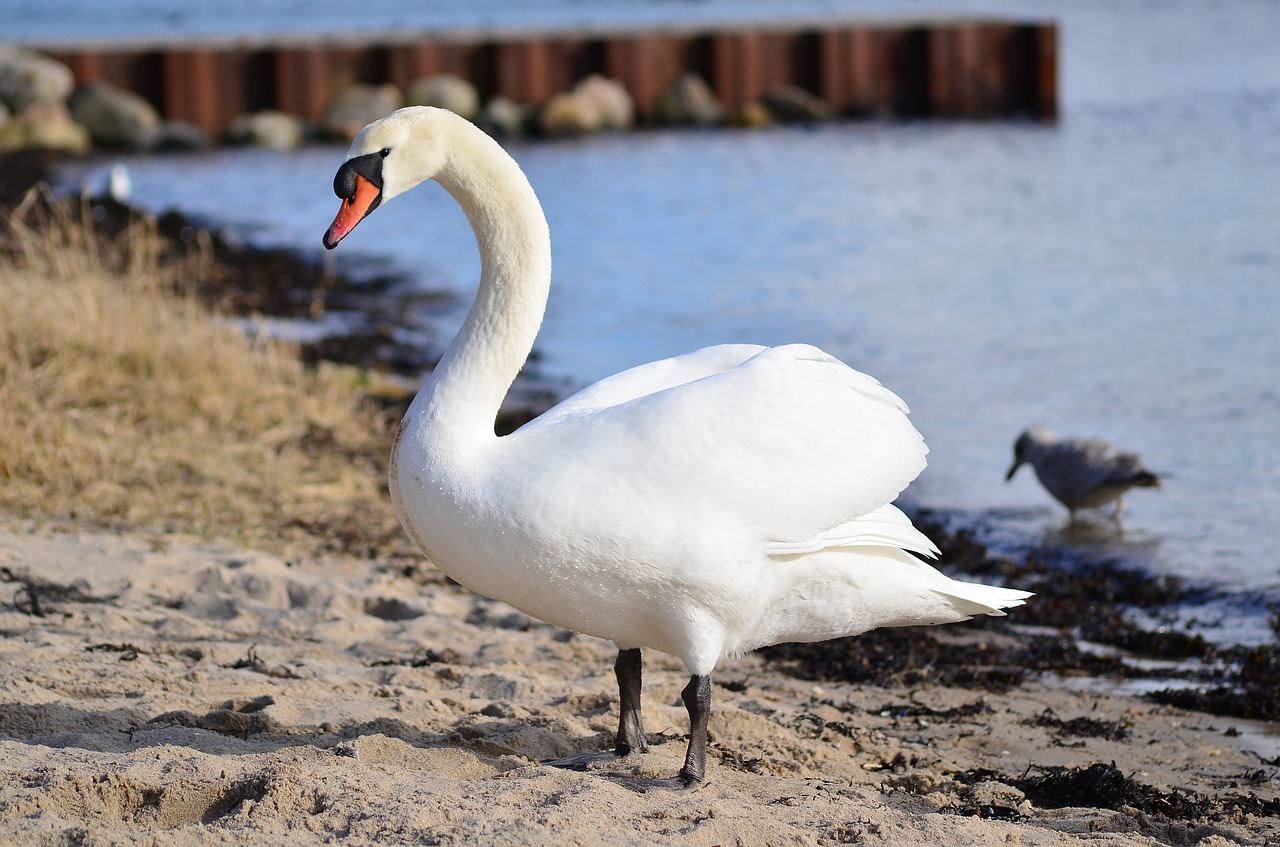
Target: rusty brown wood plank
836,86
945,86
409,62
862,80
739,66
524,71
191,89
303,85
657,61
85,67
1046,78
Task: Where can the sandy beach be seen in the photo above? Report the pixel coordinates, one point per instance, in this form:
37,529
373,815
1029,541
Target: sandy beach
159,689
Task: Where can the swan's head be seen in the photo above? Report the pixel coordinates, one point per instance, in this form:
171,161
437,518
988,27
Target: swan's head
1030,439
387,158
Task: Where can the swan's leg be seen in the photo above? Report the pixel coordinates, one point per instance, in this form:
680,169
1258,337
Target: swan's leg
630,738
697,699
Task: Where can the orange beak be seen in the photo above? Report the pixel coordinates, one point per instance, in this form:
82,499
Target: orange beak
353,210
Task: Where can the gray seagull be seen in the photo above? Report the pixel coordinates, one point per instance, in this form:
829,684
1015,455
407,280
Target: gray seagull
1081,473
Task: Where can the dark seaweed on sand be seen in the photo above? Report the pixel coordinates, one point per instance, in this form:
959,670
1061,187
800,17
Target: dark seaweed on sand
1105,786
41,597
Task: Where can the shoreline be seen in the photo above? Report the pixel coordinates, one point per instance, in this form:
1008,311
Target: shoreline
330,640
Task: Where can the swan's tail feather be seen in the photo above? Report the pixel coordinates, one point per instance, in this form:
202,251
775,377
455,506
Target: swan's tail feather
971,598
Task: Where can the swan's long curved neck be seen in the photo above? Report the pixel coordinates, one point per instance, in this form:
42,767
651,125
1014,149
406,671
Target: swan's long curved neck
463,396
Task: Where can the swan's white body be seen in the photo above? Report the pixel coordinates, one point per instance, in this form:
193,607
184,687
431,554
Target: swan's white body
701,518
703,505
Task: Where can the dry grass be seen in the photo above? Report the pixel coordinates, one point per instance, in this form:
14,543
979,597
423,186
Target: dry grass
124,405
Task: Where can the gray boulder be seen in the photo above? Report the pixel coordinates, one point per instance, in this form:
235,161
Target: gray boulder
47,126
268,128
361,104
752,114
616,108
115,117
28,78
182,135
792,104
503,117
445,91
567,114
689,100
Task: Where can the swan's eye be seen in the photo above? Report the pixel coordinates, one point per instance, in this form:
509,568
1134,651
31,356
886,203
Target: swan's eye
384,152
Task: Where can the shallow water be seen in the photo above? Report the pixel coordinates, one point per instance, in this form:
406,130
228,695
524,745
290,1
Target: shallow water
1114,274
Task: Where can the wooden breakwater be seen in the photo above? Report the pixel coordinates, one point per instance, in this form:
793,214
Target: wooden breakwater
952,68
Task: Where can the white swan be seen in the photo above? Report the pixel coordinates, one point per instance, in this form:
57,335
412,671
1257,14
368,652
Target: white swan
704,506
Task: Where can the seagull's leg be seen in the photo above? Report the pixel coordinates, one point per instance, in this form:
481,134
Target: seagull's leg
630,738
1115,516
697,699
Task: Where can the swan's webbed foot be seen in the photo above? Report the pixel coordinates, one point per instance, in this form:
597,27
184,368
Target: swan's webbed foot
583,761
598,764
643,785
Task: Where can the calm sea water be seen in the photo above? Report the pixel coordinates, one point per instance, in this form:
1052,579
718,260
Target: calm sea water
1114,274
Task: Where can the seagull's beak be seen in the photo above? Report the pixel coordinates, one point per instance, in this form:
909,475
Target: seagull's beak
363,200
1012,469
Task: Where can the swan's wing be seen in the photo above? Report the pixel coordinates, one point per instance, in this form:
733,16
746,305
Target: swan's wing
789,445
884,527
652,377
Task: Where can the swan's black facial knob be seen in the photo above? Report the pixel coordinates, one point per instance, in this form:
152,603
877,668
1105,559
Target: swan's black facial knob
359,184
344,182
368,166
